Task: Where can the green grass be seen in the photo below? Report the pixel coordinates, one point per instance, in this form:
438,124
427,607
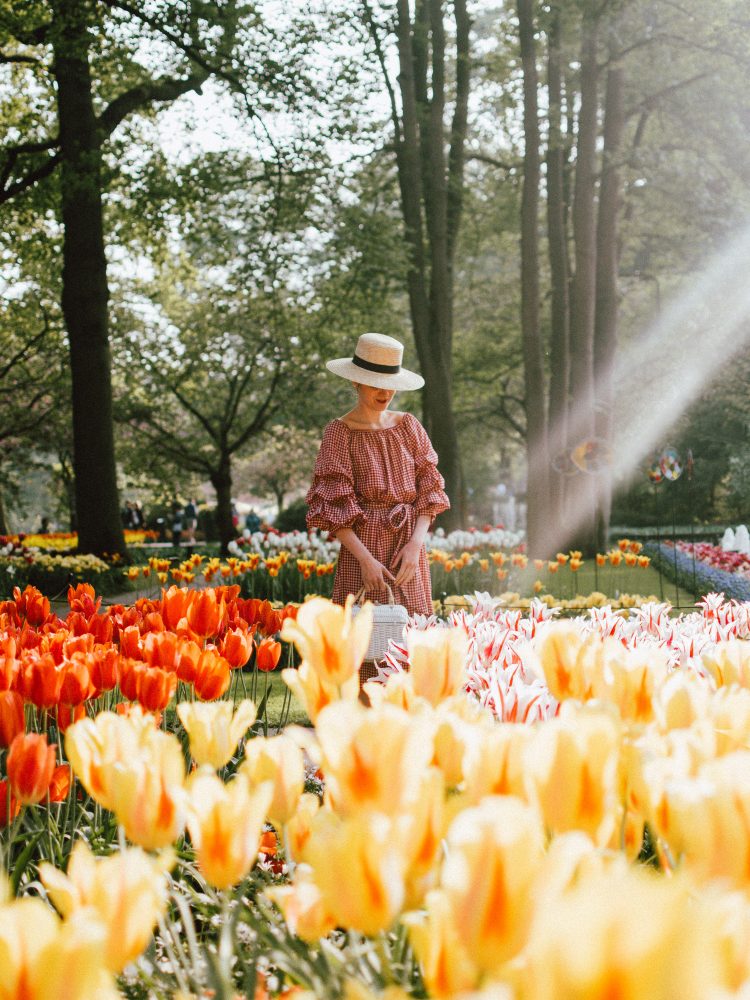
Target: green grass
254,687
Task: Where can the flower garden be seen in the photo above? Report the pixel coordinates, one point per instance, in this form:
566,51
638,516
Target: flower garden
516,807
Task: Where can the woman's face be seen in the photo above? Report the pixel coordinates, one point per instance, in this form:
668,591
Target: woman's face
374,399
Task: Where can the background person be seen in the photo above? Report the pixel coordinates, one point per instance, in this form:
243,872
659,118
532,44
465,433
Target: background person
376,486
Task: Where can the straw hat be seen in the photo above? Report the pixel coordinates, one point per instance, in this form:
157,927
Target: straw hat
377,362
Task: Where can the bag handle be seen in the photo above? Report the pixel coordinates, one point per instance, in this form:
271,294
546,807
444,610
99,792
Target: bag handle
362,590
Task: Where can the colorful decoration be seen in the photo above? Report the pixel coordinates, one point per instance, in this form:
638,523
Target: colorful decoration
670,464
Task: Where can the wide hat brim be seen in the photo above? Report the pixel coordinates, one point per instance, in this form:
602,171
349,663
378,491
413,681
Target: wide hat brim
402,379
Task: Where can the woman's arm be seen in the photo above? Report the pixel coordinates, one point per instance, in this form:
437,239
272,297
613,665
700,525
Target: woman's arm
408,556
375,575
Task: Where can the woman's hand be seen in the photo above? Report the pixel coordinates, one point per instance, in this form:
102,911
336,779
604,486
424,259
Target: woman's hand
407,560
375,576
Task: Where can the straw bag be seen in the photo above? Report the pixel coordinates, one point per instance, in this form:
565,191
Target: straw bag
388,622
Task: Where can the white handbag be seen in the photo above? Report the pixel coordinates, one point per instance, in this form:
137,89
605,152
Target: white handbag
388,621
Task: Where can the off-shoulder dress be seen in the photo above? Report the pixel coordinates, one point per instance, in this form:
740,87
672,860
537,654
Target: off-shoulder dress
377,482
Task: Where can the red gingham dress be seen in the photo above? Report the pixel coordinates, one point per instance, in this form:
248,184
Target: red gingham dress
377,482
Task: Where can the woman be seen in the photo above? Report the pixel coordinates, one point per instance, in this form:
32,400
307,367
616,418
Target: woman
376,486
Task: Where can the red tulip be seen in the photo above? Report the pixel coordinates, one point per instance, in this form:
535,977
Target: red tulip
174,605
30,765
59,786
84,599
186,659
76,685
205,613
32,605
237,646
40,679
9,806
66,715
155,687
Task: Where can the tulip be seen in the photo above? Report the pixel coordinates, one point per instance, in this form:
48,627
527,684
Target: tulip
59,785
103,667
205,613
279,761
268,655
447,968
30,764
76,685
299,826
66,715
11,717
313,693
225,823
44,958
593,941
127,891
212,675
236,647
572,773
372,758
40,679
174,605
359,869
32,605
214,730
83,599
494,852
155,687
329,639
728,663
8,663
303,906
9,805
494,763
569,661
437,659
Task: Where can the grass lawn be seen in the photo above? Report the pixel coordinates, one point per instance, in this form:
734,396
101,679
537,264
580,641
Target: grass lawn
613,582
254,687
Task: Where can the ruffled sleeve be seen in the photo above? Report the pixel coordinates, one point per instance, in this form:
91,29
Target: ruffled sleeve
431,497
331,500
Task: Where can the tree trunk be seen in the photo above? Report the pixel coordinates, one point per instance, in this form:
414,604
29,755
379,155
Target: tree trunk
559,280
537,519
607,261
85,293
221,480
422,181
582,506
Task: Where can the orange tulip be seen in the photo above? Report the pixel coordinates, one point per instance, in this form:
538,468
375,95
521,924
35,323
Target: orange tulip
103,667
127,678
76,685
130,642
40,679
205,613
160,649
268,655
155,687
174,605
11,717
9,665
59,786
211,675
66,715
102,628
32,605
186,659
83,598
30,765
9,805
237,646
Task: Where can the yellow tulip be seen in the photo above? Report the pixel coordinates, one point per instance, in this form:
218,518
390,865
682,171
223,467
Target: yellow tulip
139,775
313,693
568,661
359,867
437,660
127,890
422,827
303,906
372,758
446,966
628,678
729,663
494,763
626,934
225,823
329,639
278,760
44,958
572,768
214,729
452,739
681,700
298,828
494,851
398,690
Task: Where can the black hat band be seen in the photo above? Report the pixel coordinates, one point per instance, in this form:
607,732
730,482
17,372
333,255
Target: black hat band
370,366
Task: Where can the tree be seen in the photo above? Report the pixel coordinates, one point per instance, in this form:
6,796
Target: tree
431,183
55,43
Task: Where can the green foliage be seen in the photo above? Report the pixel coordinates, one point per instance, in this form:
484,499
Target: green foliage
292,518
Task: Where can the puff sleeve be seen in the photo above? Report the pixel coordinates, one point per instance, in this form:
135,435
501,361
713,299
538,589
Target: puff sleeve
431,497
331,499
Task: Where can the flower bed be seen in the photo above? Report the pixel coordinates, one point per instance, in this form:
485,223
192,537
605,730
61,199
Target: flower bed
677,564
451,854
